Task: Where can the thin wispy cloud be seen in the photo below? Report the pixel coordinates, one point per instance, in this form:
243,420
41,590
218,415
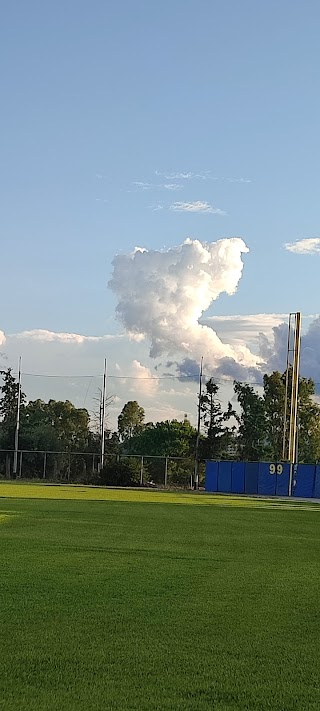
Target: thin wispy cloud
236,180
41,334
178,176
142,185
175,176
202,175
172,186
197,206
156,208
309,245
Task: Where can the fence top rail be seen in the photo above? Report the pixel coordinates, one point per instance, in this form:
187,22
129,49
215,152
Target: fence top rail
97,454
51,451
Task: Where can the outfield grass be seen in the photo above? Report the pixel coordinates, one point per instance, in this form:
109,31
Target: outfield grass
139,600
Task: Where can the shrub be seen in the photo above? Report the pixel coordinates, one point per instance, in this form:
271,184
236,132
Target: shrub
122,473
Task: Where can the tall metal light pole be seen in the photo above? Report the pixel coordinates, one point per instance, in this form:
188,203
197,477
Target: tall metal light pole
16,436
291,452
294,399
196,462
103,412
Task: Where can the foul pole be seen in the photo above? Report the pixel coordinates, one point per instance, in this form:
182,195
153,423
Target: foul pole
290,453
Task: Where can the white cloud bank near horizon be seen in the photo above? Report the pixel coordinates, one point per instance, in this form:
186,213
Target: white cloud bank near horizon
131,370
163,297
70,366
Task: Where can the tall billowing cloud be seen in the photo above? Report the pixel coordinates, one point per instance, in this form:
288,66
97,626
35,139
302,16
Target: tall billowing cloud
274,351
163,294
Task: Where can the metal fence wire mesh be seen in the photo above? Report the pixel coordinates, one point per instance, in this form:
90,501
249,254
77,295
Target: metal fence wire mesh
84,468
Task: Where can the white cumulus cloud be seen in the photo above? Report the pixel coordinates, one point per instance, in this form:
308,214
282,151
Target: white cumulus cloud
245,328
274,350
163,294
139,378
310,245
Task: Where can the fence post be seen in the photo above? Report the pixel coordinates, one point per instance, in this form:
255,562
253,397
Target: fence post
69,468
141,472
93,459
44,465
20,465
166,471
8,466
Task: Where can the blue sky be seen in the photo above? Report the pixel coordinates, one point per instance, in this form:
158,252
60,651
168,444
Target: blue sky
99,96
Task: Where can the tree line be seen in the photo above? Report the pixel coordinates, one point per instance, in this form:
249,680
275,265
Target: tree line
250,428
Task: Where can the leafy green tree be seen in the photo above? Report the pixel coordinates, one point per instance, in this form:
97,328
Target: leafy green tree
218,433
130,420
8,408
308,423
261,422
274,403
112,443
164,439
252,423
308,417
56,425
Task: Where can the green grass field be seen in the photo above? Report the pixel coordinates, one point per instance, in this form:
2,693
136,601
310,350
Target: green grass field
139,600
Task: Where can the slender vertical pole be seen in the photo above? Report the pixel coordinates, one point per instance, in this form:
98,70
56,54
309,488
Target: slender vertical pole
284,442
100,413
141,472
44,465
196,463
294,399
103,413
16,437
166,472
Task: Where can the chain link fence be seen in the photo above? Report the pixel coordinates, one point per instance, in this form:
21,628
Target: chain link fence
84,467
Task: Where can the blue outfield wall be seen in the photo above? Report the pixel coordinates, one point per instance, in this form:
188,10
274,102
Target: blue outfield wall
264,478
224,477
267,482
304,481
212,476
316,490
251,472
282,479
237,477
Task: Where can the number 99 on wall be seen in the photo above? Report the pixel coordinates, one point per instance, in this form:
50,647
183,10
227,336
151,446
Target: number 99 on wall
276,469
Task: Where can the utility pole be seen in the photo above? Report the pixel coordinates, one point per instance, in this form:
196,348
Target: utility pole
103,411
196,462
16,436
